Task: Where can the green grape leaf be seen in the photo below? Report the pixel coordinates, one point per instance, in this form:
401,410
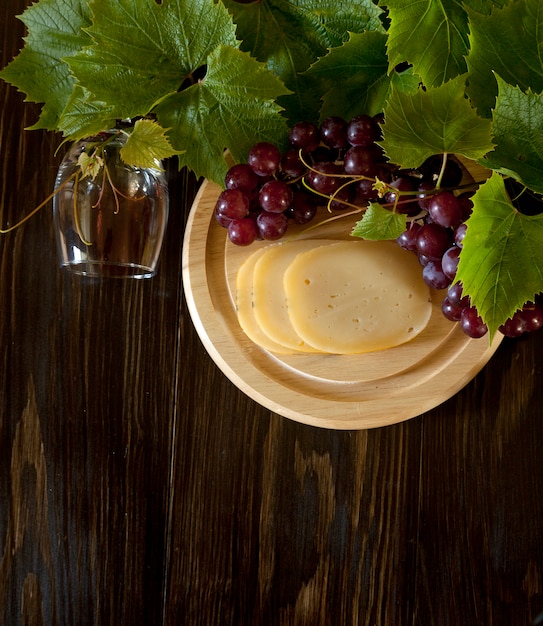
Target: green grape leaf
485,6
501,264
360,66
518,134
83,116
379,224
432,36
508,43
291,35
405,81
231,108
434,121
143,51
90,166
146,145
55,31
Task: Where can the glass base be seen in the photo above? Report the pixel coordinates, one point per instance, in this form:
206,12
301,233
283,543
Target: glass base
98,269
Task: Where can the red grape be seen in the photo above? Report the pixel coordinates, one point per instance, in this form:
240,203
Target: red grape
264,158
275,196
271,226
242,231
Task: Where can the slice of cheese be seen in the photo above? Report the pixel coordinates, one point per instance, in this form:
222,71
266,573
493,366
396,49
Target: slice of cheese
269,301
356,296
244,305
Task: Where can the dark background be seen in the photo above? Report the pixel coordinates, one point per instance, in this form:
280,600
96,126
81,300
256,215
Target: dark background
138,486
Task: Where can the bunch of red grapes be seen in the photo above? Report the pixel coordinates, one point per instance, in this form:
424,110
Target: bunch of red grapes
337,164
321,163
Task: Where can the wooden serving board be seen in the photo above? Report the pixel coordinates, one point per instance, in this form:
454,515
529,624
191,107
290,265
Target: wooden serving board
331,391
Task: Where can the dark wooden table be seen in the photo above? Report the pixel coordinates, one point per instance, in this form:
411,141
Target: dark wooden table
138,486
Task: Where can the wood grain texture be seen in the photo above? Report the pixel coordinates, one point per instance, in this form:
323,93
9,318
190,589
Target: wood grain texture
88,378
138,486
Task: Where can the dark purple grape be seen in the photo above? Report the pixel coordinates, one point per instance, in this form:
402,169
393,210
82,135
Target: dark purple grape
408,239
386,172
445,209
222,220
305,136
243,231
433,240
423,259
342,198
424,193
275,196
333,131
241,176
326,178
466,203
365,191
362,130
323,155
303,209
434,276
460,233
291,164
525,320
431,168
406,203
532,314
271,226
450,260
232,204
264,158
514,327
379,119
451,310
361,161
472,323
456,295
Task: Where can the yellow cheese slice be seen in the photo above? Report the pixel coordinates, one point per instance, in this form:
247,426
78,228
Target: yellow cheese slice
244,305
356,296
269,302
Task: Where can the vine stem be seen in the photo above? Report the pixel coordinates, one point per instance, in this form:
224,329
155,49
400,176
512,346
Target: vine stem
4,231
442,171
323,222
76,214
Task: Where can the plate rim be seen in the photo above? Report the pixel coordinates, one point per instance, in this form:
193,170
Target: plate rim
221,343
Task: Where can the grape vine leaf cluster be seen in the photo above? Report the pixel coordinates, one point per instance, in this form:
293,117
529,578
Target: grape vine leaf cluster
507,43
502,261
290,36
361,66
129,58
431,35
216,113
451,77
412,136
482,101
55,30
520,153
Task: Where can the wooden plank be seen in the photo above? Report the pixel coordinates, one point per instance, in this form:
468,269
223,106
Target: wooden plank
139,486
88,372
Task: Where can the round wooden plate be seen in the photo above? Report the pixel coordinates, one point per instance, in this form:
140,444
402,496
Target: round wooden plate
331,391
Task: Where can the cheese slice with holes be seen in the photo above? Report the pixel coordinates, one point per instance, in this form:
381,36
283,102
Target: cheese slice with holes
356,296
269,302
